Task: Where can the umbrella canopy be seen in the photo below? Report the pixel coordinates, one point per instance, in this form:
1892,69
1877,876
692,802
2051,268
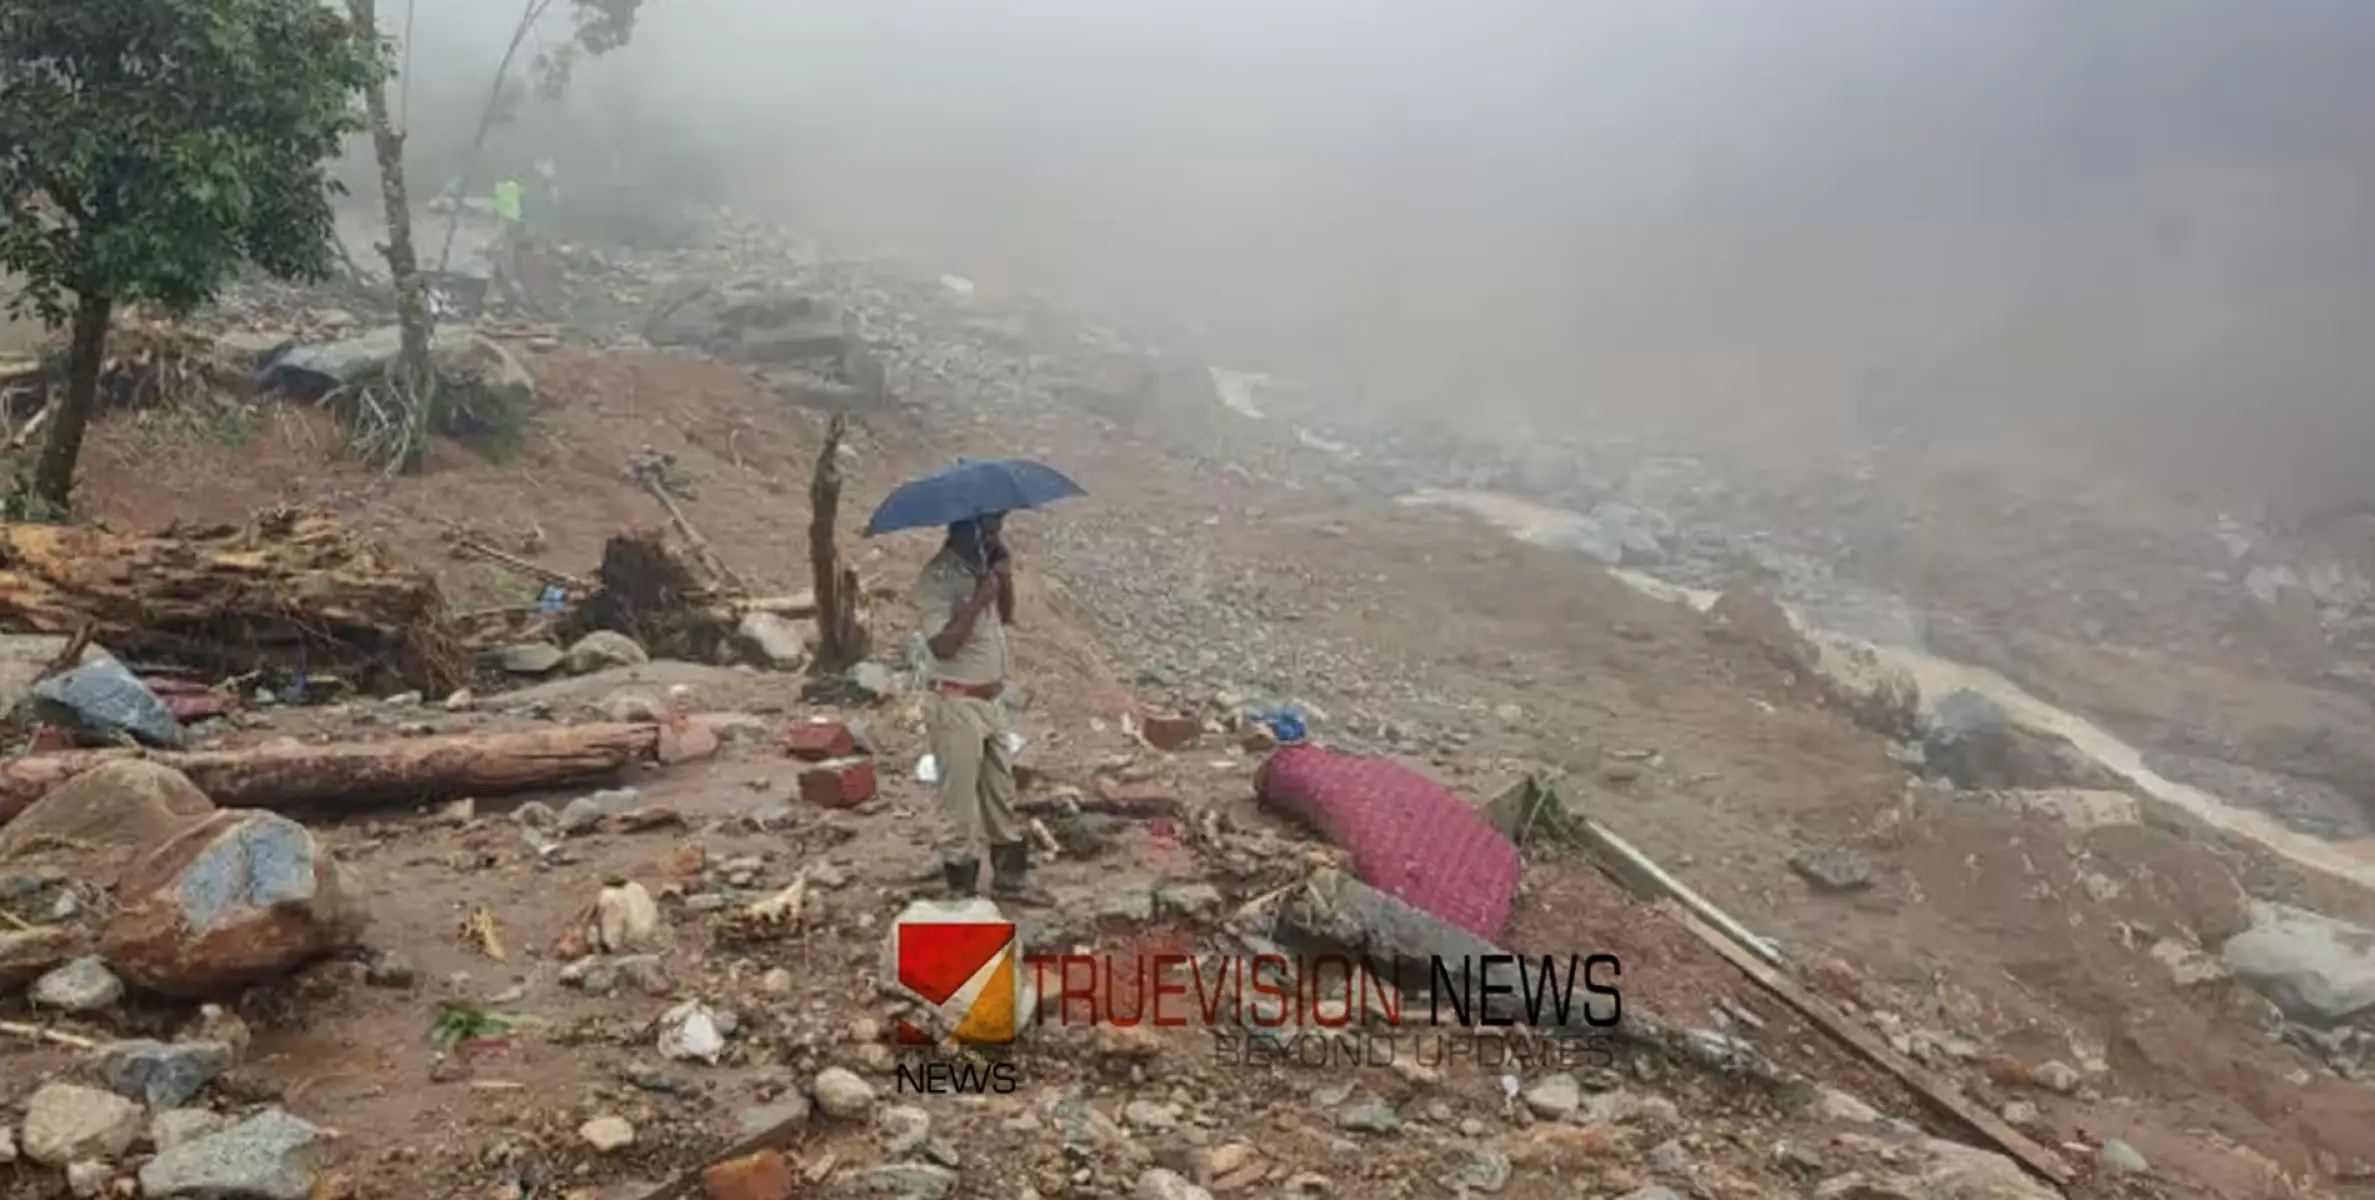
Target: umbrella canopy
968,490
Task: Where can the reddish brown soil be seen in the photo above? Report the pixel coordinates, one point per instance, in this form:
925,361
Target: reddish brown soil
1976,925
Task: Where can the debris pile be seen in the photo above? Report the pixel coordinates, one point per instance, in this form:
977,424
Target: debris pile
646,590
293,594
803,347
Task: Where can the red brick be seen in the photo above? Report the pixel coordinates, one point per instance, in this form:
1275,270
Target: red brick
819,741
842,783
762,1176
1170,732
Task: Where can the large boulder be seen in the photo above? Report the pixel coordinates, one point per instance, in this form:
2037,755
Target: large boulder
2320,971
1972,741
99,822
102,702
25,657
239,897
1877,694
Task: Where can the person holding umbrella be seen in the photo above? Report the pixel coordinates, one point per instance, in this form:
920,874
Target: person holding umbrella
964,602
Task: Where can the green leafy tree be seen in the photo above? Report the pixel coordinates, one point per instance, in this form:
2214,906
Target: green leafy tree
152,149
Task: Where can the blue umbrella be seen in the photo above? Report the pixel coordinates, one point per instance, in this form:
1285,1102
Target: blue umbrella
968,490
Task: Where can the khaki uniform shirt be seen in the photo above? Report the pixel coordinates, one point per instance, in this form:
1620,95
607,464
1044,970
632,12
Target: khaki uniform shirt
947,582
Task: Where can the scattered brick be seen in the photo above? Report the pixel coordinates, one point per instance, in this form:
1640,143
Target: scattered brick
762,1176
819,741
1170,733
841,783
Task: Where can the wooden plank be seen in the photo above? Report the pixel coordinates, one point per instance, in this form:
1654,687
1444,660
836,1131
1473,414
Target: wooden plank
1863,1041
1639,875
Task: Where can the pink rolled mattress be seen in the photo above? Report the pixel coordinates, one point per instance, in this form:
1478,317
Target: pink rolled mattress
1409,837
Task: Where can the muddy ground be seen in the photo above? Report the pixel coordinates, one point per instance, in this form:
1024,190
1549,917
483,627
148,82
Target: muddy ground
1993,942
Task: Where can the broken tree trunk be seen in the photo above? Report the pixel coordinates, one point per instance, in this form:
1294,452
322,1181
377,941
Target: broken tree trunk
415,375
296,592
842,641
362,774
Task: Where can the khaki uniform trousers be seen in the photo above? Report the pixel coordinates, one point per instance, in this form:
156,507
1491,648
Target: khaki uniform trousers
968,740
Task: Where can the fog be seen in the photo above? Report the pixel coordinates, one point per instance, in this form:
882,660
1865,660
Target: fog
2131,231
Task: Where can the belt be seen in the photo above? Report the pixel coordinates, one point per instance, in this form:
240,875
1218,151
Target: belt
970,691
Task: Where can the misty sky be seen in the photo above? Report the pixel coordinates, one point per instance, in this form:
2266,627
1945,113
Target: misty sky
2029,206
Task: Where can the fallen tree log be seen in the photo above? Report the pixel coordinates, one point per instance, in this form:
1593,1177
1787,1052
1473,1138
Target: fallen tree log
293,593
355,775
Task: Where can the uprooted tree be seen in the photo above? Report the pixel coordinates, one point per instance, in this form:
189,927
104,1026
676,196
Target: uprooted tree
150,149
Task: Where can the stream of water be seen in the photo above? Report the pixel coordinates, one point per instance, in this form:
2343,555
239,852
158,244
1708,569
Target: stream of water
1939,677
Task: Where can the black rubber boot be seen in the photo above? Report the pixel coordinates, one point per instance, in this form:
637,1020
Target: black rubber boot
1012,880
962,878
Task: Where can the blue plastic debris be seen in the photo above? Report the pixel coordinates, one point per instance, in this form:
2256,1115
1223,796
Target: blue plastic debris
1286,725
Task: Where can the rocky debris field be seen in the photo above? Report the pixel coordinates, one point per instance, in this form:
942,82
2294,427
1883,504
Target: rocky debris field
675,974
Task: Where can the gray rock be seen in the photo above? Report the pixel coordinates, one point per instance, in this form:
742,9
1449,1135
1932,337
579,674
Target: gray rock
1555,1097
841,1095
1188,899
530,658
1149,1116
1636,531
905,1129
607,1134
582,815
177,1125
1669,1158
875,680
1369,1116
1835,870
270,1156
773,641
2057,1076
1161,1184
628,706
69,1123
246,895
790,1109
25,660
2123,1158
104,699
162,1075
603,649
2020,1113
908,1181
1134,906
87,1179
1656,1192
84,985
1474,1169
1959,1172
2320,971
536,814
774,816
390,969
8,1150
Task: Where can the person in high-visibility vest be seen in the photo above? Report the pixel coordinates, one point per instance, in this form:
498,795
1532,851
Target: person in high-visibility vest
508,195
